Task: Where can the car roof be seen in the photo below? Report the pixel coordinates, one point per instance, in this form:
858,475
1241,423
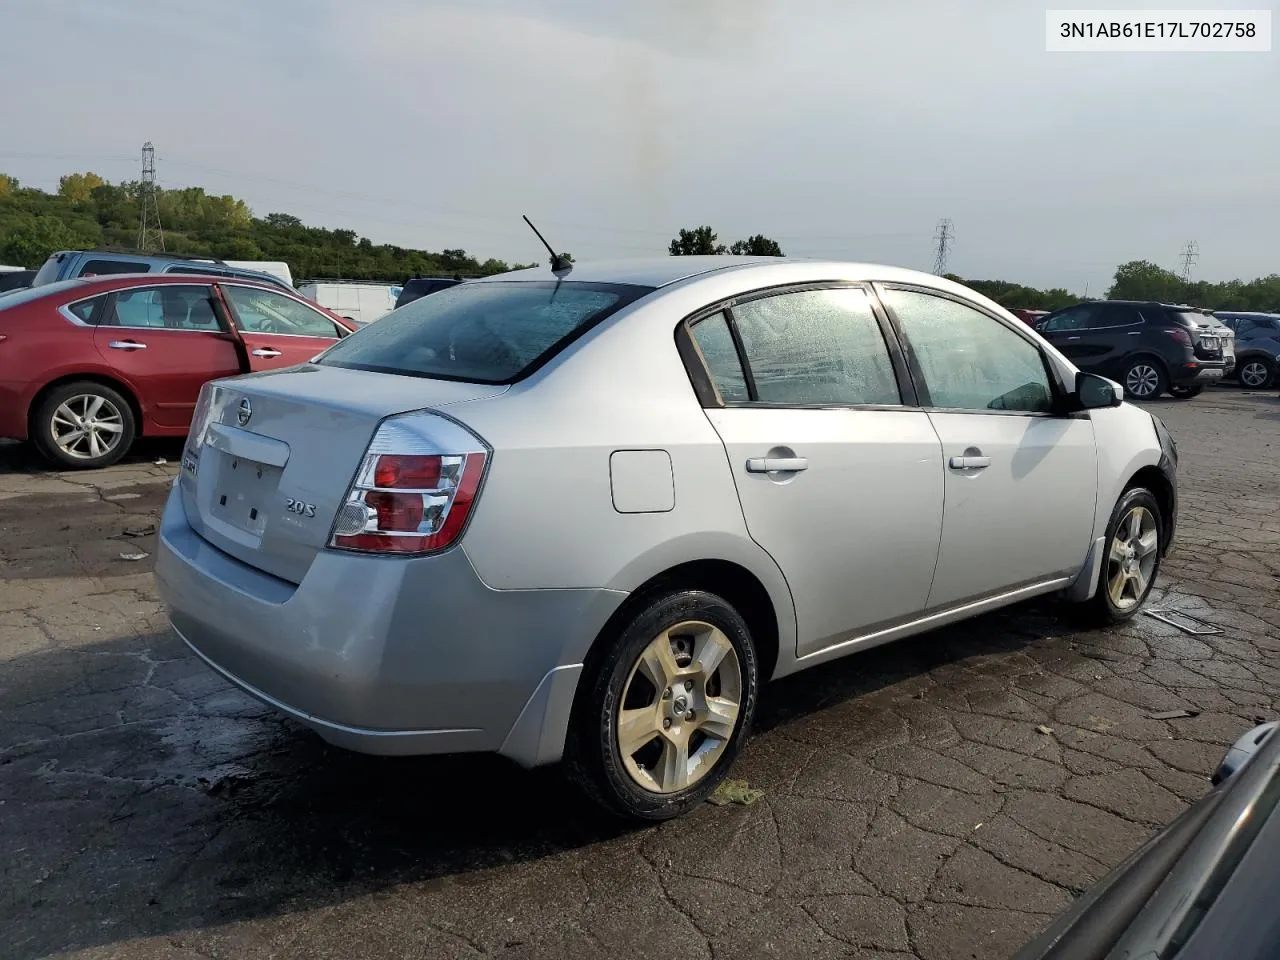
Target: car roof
664,271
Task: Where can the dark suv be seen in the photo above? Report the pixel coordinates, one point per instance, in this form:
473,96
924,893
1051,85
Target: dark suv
1148,347
418,287
1257,346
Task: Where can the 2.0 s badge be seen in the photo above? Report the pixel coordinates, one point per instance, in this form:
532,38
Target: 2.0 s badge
300,507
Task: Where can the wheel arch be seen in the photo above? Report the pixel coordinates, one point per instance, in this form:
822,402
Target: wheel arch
1153,478
114,383
737,585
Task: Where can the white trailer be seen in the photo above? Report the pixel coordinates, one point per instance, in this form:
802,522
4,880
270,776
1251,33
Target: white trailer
354,299
277,268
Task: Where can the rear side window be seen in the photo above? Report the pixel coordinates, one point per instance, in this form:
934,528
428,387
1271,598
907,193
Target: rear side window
98,268
84,309
817,347
495,332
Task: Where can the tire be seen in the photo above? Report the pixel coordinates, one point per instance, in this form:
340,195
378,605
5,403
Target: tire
60,414
649,783
1185,393
1256,373
1144,379
1103,608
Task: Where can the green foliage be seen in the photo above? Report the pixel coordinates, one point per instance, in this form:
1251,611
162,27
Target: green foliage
698,242
1016,296
757,246
89,212
1143,280
703,242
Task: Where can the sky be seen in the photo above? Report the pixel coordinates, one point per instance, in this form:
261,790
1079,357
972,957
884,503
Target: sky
841,128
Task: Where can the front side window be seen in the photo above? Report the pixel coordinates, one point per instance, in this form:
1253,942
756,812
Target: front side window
818,347
970,361
261,311
170,307
715,342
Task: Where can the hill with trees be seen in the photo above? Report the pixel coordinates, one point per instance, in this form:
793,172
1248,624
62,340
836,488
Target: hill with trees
88,212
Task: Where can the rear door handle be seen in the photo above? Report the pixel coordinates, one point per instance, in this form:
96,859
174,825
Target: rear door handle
970,463
777,464
265,352
1073,338
126,345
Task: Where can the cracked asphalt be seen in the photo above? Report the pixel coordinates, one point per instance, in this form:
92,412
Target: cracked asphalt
939,798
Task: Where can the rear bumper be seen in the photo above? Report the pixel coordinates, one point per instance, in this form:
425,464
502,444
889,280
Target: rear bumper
1204,371
387,656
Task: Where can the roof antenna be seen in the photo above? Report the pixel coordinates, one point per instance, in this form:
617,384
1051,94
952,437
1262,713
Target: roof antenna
558,263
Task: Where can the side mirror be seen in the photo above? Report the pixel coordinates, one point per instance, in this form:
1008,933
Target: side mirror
1094,392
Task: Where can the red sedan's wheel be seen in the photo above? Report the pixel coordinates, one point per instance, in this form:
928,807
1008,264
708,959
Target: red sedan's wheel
84,426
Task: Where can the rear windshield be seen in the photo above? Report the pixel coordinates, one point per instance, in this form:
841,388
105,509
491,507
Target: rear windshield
496,332
18,297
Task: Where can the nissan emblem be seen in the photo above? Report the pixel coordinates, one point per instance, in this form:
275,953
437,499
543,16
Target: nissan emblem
245,411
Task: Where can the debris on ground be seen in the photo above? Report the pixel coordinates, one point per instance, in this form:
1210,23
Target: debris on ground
1175,714
735,791
134,556
160,461
1047,731
1184,622
145,530
116,497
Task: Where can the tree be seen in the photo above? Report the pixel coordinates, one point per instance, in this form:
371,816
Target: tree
757,246
28,240
8,185
79,187
1143,280
282,220
698,242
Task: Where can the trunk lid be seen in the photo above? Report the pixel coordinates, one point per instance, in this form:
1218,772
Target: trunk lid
280,451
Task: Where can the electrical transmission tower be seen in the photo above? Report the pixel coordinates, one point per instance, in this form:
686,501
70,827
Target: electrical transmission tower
149,229
1189,254
945,235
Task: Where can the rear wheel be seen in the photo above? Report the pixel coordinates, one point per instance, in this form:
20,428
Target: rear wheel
665,712
1145,379
1185,393
1131,558
1256,373
84,426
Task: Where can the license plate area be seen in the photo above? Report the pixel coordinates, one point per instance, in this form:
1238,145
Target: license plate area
242,493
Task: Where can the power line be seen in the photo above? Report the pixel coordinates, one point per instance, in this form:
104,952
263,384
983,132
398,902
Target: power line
1190,253
943,238
149,229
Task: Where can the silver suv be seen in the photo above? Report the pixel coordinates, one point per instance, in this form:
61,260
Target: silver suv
586,514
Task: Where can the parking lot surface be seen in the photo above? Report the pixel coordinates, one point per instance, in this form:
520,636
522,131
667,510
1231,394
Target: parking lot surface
942,797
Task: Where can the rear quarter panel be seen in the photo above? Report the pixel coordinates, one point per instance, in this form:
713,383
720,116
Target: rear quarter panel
546,516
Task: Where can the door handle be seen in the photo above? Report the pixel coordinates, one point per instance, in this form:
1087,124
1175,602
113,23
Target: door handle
970,463
777,464
126,345
265,352
1073,338
1135,333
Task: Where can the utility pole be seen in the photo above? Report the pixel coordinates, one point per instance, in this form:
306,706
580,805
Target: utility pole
1189,254
943,238
149,229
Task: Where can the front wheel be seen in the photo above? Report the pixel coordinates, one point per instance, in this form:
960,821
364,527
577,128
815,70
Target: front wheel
663,715
1131,558
1256,373
1144,380
1185,393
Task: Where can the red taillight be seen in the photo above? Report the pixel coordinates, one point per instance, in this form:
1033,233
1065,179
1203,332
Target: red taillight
415,472
412,503
1180,335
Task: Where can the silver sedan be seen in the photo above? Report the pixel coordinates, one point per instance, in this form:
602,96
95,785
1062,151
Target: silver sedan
583,515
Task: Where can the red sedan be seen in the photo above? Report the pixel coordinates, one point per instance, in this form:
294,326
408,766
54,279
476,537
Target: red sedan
88,365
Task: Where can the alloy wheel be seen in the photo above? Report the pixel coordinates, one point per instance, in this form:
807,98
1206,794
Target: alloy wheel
1254,374
87,426
1142,380
679,707
1131,561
